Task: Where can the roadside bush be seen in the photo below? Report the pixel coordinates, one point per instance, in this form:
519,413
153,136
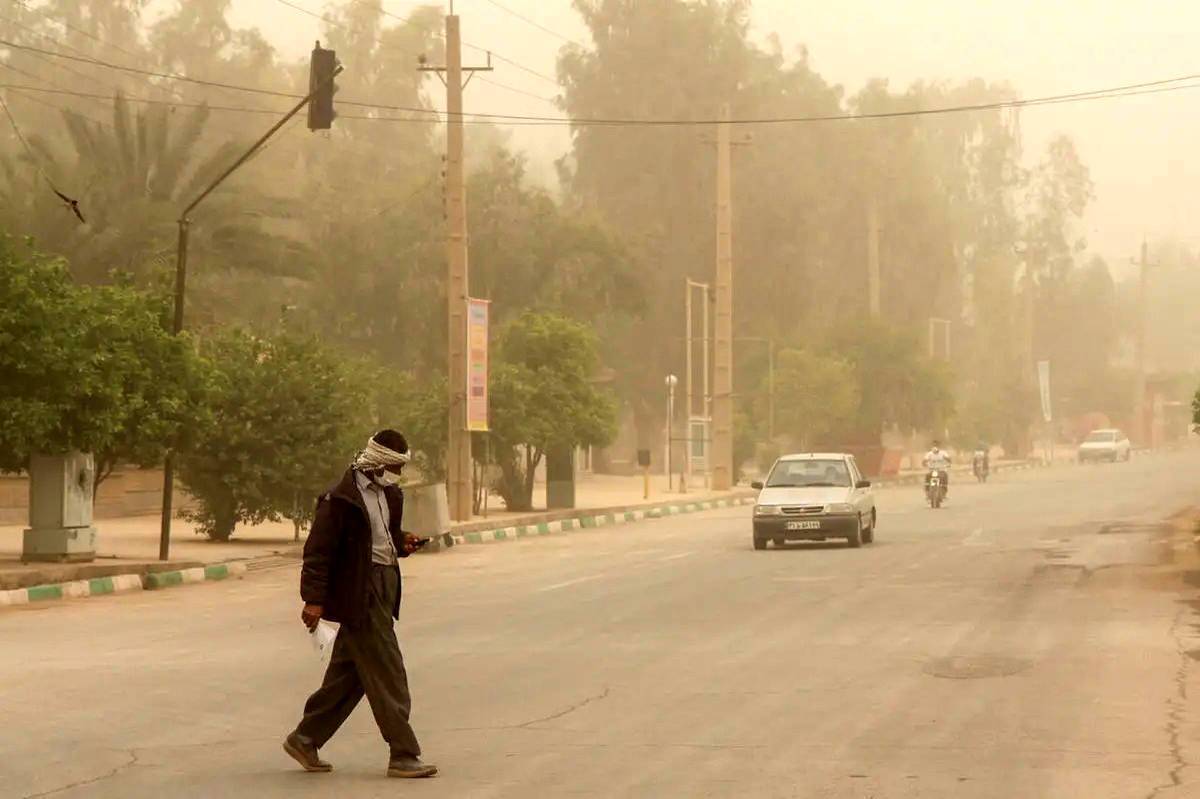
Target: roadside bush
88,368
542,397
286,415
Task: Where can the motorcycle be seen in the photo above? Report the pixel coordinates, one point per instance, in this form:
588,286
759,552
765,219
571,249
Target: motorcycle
935,488
979,466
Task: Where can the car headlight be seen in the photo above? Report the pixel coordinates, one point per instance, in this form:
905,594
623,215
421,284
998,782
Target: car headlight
766,510
839,507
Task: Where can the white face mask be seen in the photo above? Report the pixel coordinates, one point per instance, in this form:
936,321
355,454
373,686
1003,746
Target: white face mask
382,478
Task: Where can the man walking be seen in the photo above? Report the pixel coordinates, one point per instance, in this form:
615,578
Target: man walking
351,576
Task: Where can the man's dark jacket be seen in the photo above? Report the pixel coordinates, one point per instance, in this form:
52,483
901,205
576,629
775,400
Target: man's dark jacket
337,555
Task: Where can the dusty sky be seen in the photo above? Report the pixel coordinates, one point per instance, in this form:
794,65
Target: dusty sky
1141,150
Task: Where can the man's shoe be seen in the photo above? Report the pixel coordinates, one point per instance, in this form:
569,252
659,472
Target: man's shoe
410,767
304,752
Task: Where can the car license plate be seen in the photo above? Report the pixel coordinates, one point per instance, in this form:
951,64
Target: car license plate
804,525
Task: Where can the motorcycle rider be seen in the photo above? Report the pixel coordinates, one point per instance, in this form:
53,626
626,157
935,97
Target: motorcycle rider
979,461
938,460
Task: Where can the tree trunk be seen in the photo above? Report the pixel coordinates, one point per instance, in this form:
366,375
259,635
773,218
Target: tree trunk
104,469
224,519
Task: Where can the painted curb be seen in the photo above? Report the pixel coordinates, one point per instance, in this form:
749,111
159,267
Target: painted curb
217,571
119,584
606,519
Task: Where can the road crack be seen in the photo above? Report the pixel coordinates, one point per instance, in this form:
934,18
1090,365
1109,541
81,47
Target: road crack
133,761
566,712
1177,705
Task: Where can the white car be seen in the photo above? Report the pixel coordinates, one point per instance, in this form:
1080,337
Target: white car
1105,445
814,496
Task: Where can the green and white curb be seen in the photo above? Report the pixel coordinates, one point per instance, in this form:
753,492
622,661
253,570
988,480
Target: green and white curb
608,519
219,571
119,584
75,589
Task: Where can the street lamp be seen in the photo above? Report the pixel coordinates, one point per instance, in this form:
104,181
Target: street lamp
671,381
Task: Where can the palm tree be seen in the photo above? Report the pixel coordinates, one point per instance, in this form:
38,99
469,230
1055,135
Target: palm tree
132,178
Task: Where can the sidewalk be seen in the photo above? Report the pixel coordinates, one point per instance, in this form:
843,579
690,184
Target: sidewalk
129,545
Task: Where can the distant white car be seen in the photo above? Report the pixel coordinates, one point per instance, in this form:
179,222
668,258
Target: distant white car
814,496
1105,445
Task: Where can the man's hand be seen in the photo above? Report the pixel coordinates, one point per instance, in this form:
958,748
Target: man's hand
311,615
413,542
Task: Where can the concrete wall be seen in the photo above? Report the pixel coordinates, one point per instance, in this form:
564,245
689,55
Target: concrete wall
127,492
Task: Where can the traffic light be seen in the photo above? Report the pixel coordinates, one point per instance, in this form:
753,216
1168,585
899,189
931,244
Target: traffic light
322,70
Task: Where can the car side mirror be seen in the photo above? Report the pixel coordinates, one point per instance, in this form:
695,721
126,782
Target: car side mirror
757,485
863,484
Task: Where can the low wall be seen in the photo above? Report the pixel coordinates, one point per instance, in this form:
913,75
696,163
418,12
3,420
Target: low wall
126,492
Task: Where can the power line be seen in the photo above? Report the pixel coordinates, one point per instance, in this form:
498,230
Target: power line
405,20
480,48
521,67
47,15
47,81
148,72
537,25
138,57
36,53
70,203
428,116
514,89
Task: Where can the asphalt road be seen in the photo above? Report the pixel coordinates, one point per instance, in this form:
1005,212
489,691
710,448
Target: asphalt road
1009,645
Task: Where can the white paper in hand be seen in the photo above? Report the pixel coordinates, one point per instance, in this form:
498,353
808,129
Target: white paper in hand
322,637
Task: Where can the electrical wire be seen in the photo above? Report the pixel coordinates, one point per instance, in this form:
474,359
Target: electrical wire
47,15
427,116
47,81
68,202
96,62
536,24
404,20
40,54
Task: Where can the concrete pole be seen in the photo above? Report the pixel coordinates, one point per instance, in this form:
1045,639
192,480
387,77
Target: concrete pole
771,390
688,376
670,382
1139,382
723,466
873,255
458,452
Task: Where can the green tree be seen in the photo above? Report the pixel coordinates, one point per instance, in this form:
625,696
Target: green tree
88,368
897,383
287,414
139,171
542,397
815,395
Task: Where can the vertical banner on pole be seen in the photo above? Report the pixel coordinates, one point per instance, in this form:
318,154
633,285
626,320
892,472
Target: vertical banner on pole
477,365
1044,387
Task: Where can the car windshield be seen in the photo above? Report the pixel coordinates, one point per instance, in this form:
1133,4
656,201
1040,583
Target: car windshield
809,473
1101,437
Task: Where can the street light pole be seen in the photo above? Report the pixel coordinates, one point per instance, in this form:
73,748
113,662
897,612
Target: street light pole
671,381
164,538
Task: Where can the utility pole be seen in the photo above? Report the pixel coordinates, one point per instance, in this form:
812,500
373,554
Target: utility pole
458,452
722,444
873,255
1139,383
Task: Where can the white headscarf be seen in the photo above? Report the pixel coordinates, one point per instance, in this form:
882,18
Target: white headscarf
377,456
